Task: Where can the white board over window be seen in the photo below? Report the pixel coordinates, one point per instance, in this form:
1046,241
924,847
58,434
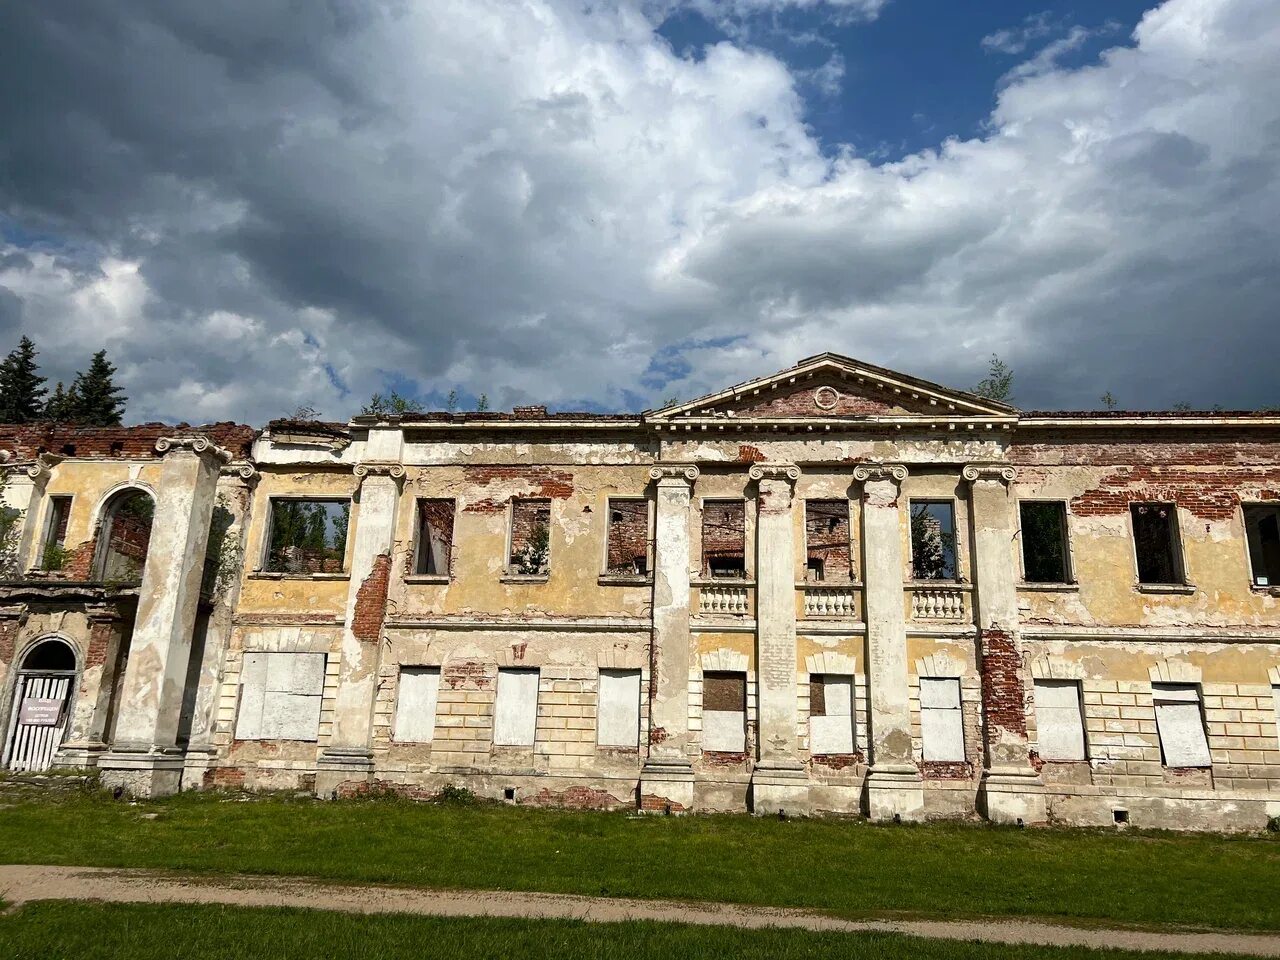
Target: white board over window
515,709
618,714
1180,725
416,704
1059,723
941,722
724,712
280,696
830,714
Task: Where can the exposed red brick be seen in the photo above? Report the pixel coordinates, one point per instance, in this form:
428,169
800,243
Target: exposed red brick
26,440
1207,494
371,601
534,482
467,674
838,761
803,402
826,524
79,563
1003,696
577,798
628,544
750,454
653,803
656,734
723,532
8,639
224,778
946,770
101,633
724,758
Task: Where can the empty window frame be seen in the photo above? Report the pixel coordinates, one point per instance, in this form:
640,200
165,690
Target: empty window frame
515,708
53,554
933,540
724,712
416,700
827,544
941,720
1045,557
307,536
618,714
627,540
434,538
1059,720
1180,724
280,696
724,539
830,713
530,553
1155,543
1262,530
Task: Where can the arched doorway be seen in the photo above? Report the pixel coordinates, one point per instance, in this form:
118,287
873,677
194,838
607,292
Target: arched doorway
124,537
41,705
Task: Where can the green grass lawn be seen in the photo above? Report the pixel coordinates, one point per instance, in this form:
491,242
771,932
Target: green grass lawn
83,931
849,868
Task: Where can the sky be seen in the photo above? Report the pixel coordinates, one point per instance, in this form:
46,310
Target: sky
262,205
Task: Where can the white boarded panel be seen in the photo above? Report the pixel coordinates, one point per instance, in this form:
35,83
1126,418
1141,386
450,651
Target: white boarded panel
724,731
290,716
515,710
1181,728
837,694
306,674
833,731
618,723
416,704
941,725
253,687
1059,724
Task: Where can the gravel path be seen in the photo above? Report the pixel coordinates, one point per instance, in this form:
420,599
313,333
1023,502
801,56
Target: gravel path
22,884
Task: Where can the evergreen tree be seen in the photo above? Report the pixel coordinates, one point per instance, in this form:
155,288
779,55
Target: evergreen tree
61,405
22,388
98,401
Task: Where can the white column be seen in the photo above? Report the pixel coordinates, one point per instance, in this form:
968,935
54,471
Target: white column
144,757
1011,788
779,780
666,781
24,485
348,758
894,787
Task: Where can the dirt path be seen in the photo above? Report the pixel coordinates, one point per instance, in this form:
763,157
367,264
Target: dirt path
22,884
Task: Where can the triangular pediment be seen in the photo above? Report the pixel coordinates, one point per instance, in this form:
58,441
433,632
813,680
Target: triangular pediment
831,386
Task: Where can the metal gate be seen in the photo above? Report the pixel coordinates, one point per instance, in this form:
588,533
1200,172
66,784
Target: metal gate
38,719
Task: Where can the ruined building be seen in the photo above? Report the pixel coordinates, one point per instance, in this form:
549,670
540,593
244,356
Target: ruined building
837,588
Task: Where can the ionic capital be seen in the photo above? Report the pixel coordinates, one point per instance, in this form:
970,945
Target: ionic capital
246,471
200,446
996,472
774,471
894,472
673,473
38,470
380,469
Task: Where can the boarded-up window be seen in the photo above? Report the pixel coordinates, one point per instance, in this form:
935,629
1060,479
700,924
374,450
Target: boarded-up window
628,541
724,538
724,712
1155,541
826,530
1044,541
308,536
1262,528
530,537
1180,724
618,716
933,540
941,722
416,704
515,710
434,538
830,713
1059,723
280,696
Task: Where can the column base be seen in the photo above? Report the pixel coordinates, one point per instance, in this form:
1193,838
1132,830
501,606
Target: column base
1013,796
79,755
337,768
895,792
666,786
199,760
784,787
155,773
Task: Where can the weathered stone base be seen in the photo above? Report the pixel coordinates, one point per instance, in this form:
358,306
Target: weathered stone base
142,775
775,790
1209,811
1012,797
195,770
78,756
339,772
895,793
666,787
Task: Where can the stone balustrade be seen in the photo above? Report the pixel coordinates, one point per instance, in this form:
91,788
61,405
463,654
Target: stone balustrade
724,598
833,600
944,602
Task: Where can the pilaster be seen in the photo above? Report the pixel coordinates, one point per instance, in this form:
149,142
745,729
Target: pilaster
24,491
894,787
85,741
1011,789
666,780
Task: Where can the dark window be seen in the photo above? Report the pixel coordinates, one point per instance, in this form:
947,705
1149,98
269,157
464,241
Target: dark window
308,536
933,540
826,530
817,695
435,538
628,537
726,692
724,538
530,537
54,554
128,537
1155,540
1044,542
1262,528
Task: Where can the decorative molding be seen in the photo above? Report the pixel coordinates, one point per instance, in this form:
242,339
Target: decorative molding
828,662
826,397
724,659
246,471
622,658
38,469
774,471
196,444
1174,671
1274,676
379,468
940,665
864,472
1056,668
1002,473
685,472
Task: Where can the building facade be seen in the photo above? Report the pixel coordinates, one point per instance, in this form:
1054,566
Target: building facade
835,589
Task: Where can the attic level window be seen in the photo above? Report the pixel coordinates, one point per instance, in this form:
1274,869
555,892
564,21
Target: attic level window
628,538
1044,542
530,538
933,540
435,538
308,536
1155,541
826,528
1262,528
724,539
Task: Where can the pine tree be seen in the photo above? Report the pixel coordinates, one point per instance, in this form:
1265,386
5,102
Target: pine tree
61,405
22,388
98,401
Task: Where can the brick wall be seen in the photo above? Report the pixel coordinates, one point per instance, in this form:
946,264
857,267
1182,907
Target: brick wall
826,524
371,601
628,546
26,440
723,531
